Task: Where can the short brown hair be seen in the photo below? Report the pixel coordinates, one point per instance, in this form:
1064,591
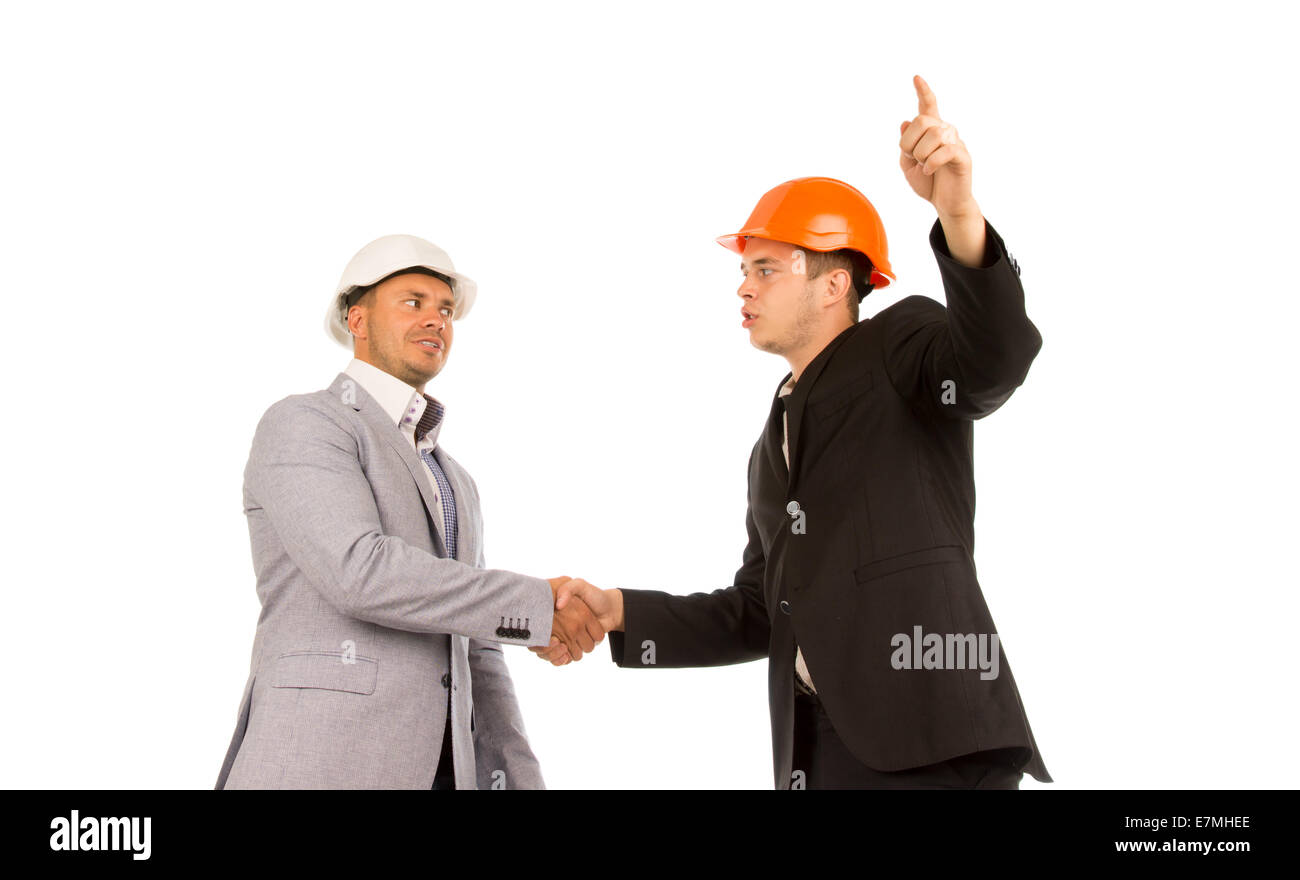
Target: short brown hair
854,262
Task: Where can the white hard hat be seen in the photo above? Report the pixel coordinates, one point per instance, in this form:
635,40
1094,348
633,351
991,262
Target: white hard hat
383,257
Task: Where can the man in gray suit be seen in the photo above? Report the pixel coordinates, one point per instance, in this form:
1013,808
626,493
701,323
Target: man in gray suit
377,659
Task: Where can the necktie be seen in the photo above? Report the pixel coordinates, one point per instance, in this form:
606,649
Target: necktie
431,416
448,501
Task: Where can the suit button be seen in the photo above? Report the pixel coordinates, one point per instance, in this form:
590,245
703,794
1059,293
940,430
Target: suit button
446,679
785,607
792,508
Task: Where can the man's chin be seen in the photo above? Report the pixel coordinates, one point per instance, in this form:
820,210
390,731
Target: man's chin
427,371
418,373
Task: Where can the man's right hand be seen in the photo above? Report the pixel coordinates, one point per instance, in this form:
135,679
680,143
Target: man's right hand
574,629
606,605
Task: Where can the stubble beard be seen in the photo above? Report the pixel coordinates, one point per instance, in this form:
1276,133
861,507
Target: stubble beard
388,357
798,336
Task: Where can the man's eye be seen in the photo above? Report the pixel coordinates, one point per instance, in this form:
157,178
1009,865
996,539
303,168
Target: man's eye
447,310
765,269
411,301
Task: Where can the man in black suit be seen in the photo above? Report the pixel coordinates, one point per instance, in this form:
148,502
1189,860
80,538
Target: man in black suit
858,583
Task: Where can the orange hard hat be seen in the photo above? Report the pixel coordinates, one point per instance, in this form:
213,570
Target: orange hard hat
821,214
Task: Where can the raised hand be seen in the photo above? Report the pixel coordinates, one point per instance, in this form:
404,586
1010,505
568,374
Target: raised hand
934,159
607,605
574,628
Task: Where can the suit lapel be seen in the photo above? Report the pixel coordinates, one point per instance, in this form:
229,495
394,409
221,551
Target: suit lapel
777,472
351,392
798,399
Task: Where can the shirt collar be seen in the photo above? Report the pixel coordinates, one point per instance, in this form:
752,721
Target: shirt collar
399,401
786,389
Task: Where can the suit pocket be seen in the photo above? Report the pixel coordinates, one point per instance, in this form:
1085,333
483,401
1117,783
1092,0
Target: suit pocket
840,397
321,669
904,561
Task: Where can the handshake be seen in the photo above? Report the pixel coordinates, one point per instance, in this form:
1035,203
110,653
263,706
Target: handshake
583,614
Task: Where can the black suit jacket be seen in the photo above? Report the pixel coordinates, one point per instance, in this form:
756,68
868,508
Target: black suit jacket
881,469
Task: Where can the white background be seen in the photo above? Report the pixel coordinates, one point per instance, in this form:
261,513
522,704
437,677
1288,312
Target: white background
182,186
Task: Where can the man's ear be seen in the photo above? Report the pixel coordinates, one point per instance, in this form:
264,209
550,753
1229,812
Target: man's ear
839,284
356,322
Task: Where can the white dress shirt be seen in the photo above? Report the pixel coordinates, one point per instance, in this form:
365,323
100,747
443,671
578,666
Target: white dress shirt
404,405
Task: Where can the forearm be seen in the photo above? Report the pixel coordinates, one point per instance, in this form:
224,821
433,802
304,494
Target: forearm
703,629
966,237
406,588
386,581
988,342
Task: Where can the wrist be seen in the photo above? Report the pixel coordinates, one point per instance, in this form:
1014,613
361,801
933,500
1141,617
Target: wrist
965,214
965,236
616,599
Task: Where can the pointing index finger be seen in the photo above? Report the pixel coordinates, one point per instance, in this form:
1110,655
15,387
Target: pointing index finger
927,103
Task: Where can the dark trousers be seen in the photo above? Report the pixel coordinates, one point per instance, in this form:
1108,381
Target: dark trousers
445,778
825,762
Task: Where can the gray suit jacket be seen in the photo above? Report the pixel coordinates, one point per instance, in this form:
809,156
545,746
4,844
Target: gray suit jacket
365,624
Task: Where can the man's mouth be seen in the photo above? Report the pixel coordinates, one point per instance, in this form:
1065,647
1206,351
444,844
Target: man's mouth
431,344
747,318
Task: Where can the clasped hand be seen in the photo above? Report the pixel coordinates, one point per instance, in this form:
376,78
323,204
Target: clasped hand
582,618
